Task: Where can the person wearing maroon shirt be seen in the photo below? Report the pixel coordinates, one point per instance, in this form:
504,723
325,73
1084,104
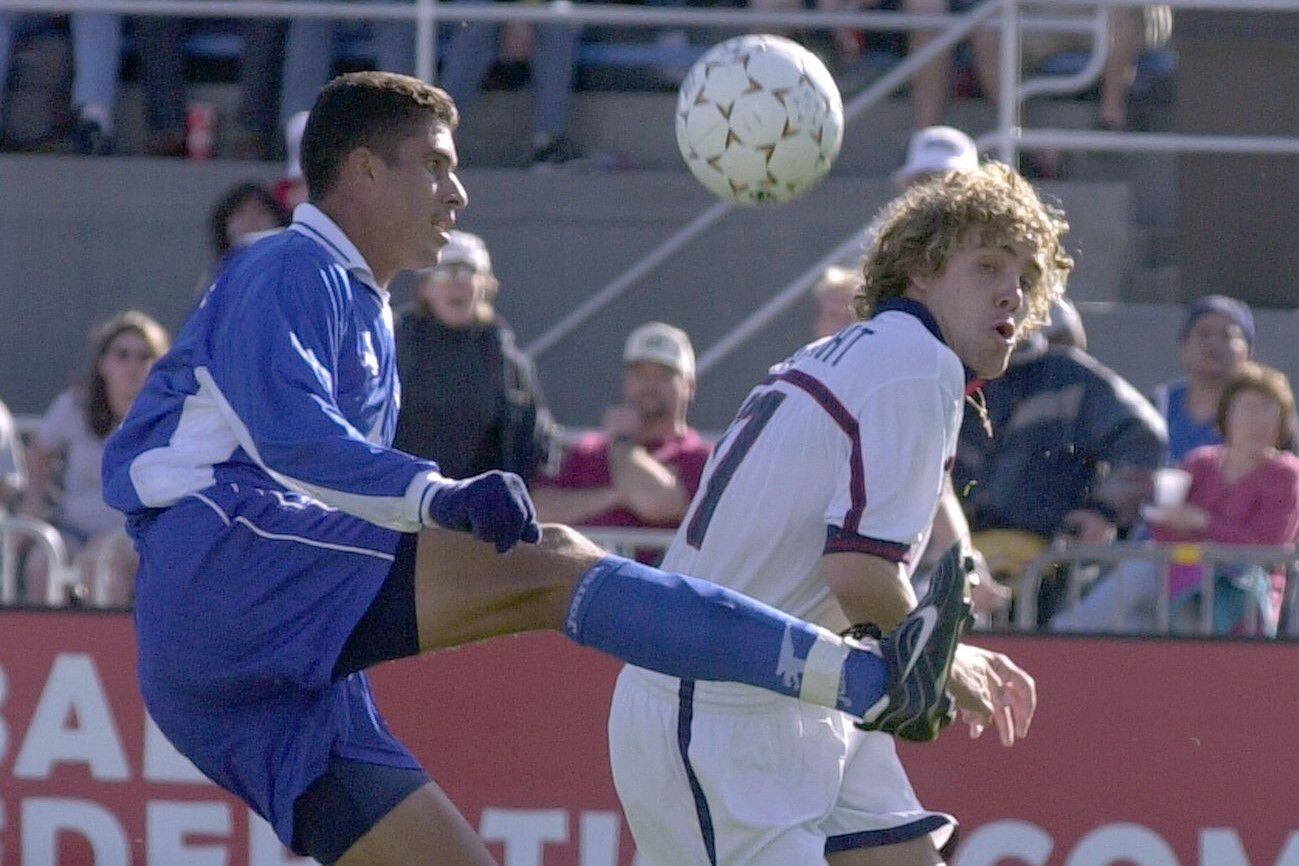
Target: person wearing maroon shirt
643,467
1243,492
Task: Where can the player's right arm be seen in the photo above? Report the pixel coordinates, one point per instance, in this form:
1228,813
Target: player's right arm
869,588
272,366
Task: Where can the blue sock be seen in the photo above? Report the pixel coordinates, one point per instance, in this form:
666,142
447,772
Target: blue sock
689,628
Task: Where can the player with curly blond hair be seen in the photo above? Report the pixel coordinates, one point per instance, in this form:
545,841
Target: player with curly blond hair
815,501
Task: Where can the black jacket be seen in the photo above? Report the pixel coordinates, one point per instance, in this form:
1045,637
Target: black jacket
1059,418
470,399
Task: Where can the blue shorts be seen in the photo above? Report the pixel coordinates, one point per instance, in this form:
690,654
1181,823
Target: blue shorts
244,601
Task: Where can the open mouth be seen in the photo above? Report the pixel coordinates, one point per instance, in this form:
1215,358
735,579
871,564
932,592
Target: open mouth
1006,331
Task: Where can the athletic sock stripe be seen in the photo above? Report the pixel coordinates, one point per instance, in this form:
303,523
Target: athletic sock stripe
685,715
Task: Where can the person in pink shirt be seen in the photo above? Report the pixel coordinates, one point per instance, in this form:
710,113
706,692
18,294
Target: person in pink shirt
643,467
1243,492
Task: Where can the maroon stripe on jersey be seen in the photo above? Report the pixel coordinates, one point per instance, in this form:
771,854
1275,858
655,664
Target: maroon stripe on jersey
842,541
848,424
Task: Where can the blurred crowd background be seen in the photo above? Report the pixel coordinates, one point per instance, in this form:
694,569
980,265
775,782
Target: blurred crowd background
1110,486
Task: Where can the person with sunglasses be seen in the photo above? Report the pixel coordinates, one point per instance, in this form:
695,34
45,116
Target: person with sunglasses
71,435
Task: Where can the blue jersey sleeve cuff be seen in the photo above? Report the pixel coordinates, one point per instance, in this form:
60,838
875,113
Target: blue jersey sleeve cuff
840,540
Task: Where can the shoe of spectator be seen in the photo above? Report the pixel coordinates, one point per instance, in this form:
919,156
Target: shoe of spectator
550,152
89,139
166,144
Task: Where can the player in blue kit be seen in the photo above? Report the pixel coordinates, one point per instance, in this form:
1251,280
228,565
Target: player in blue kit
285,547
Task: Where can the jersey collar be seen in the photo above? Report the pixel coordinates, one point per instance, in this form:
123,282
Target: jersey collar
311,221
912,307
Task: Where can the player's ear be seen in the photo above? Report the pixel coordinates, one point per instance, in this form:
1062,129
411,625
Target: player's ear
917,287
360,163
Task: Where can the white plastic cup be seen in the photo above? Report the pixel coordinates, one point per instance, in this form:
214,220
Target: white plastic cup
1171,486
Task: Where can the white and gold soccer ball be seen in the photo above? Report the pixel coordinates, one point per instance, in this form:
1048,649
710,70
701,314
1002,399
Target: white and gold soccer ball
759,119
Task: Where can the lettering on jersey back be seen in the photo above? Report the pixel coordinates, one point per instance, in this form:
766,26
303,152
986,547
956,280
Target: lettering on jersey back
832,350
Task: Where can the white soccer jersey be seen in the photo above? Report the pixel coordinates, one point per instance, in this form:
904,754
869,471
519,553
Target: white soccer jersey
843,447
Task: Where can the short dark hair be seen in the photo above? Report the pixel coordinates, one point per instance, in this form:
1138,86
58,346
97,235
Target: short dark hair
233,199
366,109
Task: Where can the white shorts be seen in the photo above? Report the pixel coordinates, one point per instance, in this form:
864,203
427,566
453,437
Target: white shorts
720,774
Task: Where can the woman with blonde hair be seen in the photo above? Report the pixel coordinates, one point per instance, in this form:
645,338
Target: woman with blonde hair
71,435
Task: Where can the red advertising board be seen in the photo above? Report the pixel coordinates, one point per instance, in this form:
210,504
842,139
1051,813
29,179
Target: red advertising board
1145,753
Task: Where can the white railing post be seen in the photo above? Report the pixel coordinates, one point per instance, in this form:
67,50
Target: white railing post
426,40
1008,83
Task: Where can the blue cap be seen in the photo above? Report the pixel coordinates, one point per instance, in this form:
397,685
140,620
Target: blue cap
1236,311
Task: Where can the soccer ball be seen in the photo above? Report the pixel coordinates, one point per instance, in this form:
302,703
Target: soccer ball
759,119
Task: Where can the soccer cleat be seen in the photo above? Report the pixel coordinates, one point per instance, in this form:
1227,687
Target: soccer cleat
918,657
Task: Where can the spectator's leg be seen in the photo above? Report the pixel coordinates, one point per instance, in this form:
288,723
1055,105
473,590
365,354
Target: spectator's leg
932,84
394,46
553,62
96,65
162,69
1122,601
260,74
985,46
308,60
1126,40
470,53
6,45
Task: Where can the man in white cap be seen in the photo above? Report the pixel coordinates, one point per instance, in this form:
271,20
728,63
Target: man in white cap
644,465
937,149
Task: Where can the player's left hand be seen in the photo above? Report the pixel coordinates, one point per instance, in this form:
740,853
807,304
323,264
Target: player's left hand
988,686
494,507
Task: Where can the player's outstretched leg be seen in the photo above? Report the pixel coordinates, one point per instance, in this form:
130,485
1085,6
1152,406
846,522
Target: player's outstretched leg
670,623
918,657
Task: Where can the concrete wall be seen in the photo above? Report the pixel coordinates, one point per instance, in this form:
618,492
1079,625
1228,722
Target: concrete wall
83,239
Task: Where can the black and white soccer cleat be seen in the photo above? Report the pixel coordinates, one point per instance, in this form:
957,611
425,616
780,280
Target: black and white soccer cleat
918,657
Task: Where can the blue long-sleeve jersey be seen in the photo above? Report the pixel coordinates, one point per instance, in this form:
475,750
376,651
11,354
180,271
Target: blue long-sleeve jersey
285,377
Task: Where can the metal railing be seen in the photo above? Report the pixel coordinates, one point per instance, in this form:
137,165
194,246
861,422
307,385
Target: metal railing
1162,557
629,542
60,575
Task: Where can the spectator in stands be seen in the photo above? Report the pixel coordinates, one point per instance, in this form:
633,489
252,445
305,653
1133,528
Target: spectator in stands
934,150
291,188
470,398
13,467
1243,492
644,466
833,294
161,49
932,86
246,213
1067,448
96,62
1216,338
73,432
309,58
473,49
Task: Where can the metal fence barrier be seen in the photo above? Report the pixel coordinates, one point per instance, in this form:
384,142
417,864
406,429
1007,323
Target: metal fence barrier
629,542
1163,557
13,531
